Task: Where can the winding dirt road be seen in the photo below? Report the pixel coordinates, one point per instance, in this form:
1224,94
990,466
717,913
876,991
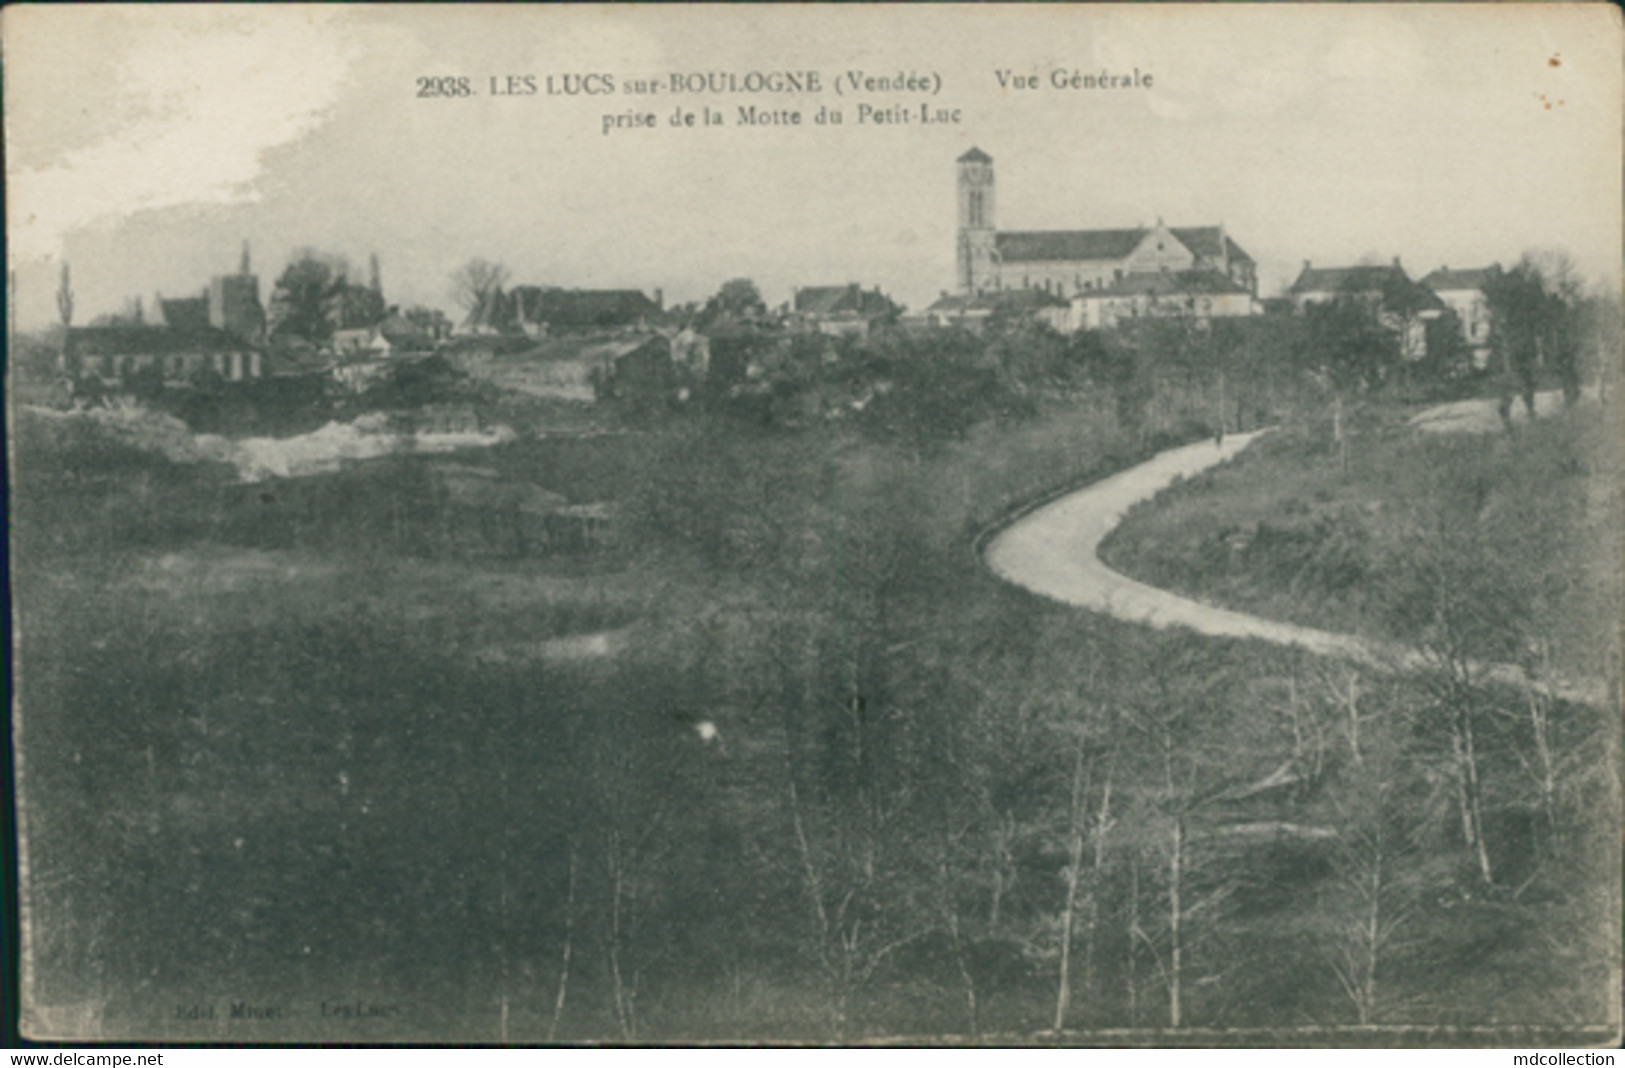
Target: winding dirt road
1054,551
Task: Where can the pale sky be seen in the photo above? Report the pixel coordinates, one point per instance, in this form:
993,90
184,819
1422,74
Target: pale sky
144,144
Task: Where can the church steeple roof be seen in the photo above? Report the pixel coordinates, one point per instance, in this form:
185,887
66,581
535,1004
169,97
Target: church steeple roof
975,155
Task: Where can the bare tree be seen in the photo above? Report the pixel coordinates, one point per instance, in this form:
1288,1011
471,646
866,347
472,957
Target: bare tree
1340,685
1374,890
1186,772
946,887
475,281
853,938
1077,830
1461,609
567,949
64,297
1375,902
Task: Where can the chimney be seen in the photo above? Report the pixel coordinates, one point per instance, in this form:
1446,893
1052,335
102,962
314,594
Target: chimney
1307,265
1396,261
660,298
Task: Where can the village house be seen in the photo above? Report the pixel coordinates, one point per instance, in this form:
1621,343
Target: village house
230,303
545,311
975,311
115,353
841,311
580,311
364,342
1464,292
360,375
573,368
1398,303
394,335
221,330
1067,263
1198,295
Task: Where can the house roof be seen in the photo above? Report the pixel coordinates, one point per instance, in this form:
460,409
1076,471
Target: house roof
581,307
1028,246
185,313
1201,240
1168,283
1010,300
1364,278
1361,279
1210,242
1445,280
1031,246
975,155
850,299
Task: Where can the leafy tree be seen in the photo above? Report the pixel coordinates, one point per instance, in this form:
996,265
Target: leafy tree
1600,322
936,394
737,301
35,356
1030,355
1401,304
1113,360
1536,322
357,306
303,298
1348,343
432,321
1448,354
1518,305
1561,337
144,383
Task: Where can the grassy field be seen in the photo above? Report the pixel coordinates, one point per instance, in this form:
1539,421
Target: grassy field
324,747
1287,532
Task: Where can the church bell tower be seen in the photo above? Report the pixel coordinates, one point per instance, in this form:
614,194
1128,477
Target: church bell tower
978,269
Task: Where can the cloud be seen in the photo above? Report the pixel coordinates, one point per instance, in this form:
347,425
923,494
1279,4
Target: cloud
201,96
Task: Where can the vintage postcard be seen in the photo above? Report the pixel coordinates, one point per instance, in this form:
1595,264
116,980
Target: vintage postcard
982,525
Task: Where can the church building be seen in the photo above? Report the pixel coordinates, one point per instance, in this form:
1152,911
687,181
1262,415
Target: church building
1097,264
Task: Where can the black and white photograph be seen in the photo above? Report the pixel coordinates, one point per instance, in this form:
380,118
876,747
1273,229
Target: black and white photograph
816,525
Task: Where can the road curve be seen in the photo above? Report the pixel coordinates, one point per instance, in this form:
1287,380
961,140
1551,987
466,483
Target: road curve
1054,551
